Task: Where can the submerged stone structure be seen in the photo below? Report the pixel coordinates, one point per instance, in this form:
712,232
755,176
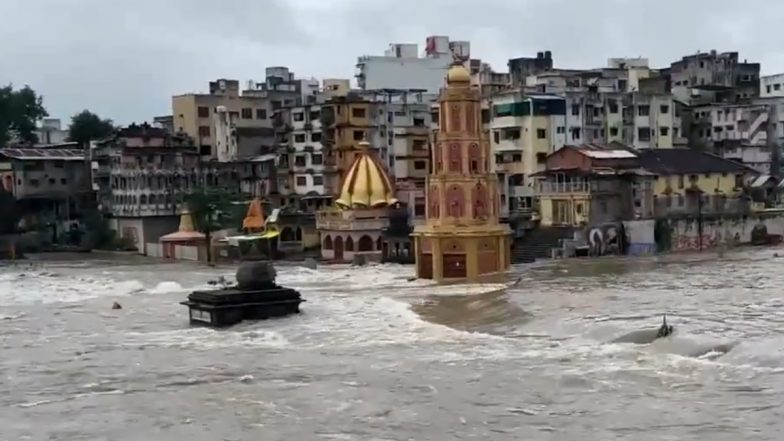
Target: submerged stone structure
463,238
255,297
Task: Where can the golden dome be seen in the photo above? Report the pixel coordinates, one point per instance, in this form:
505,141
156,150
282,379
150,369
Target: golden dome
366,184
458,74
254,219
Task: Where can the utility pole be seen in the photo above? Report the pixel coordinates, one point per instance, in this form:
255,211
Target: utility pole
699,218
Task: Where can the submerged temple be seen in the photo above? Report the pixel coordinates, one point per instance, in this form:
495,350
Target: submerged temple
354,226
462,238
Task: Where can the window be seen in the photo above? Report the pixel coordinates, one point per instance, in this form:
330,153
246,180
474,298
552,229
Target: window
496,137
777,87
299,137
315,115
575,109
317,159
419,145
247,113
768,88
318,180
358,112
644,133
560,129
302,181
261,113
613,131
204,131
419,206
643,110
420,165
63,181
613,106
204,112
664,108
359,135
541,133
299,161
298,116
517,157
664,131
315,137
419,122
575,132
680,181
51,181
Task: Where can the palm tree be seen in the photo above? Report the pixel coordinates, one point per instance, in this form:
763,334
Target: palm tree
211,210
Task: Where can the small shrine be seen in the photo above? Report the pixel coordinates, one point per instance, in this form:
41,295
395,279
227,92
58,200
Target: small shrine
352,229
186,243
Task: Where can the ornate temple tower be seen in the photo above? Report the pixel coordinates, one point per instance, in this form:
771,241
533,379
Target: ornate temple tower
462,238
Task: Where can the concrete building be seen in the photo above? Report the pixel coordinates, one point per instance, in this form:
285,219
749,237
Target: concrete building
402,68
463,238
772,86
194,114
51,132
524,130
52,186
720,76
149,172
521,68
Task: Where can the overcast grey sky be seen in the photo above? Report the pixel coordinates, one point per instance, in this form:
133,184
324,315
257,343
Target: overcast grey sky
125,58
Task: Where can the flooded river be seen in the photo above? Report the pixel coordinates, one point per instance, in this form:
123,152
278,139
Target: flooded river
376,357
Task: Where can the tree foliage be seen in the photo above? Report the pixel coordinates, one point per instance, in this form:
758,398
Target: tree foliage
20,110
211,210
86,126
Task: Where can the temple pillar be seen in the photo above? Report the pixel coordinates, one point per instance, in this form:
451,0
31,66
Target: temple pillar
438,259
503,252
472,258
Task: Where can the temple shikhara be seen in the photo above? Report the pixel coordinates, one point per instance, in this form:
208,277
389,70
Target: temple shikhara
355,225
462,238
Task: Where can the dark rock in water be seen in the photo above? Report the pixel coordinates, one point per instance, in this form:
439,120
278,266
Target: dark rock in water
116,305
310,263
255,297
256,275
359,260
642,337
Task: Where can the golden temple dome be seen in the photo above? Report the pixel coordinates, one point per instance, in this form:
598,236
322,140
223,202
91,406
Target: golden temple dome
458,74
366,184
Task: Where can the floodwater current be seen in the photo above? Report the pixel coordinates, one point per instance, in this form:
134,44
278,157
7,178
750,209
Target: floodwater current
375,356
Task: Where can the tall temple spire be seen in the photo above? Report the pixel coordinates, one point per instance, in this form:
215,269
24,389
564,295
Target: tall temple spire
462,238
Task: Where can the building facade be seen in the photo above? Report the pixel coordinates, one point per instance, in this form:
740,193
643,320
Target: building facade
462,238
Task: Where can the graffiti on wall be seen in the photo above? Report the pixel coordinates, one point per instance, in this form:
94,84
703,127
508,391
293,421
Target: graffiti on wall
710,239
607,239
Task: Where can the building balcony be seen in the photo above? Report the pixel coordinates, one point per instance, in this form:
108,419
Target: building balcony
568,187
521,191
353,220
508,145
511,168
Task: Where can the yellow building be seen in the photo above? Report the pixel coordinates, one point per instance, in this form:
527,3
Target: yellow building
525,129
462,238
688,181
194,113
354,226
348,120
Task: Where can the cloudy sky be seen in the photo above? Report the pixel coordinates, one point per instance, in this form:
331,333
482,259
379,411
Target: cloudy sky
125,58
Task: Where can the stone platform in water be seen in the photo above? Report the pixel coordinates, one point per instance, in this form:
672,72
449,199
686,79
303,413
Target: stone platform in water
257,297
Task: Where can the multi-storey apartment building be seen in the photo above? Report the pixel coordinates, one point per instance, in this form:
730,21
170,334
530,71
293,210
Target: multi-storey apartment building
195,114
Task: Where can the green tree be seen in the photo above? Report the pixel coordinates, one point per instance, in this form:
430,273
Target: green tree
211,210
86,126
20,110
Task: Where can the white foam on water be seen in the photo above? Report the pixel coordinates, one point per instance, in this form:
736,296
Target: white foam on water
205,338
167,287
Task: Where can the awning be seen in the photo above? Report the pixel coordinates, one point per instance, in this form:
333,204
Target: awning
235,240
